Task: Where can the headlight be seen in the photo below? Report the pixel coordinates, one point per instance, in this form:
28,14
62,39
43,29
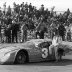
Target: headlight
5,57
3,50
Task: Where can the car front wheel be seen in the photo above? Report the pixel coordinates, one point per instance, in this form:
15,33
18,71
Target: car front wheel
20,58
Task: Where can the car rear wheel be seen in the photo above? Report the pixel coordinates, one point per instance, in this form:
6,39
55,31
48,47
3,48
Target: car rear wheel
20,58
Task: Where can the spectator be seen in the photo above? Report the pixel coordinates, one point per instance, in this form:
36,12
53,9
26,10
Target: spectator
69,35
61,30
15,29
8,34
0,32
24,33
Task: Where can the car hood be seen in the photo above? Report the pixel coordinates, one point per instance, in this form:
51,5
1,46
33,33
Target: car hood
10,47
6,48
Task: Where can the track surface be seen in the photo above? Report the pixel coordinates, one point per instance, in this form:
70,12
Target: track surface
62,66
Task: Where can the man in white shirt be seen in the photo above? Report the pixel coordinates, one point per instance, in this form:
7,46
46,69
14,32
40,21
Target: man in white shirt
55,42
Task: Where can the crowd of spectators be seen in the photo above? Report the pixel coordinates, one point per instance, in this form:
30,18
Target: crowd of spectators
23,19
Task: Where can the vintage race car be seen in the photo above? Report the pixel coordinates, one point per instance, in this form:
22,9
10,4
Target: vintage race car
35,50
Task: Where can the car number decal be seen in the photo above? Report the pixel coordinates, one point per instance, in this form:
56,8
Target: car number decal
44,53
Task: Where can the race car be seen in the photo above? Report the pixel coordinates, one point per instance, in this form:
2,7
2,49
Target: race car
35,50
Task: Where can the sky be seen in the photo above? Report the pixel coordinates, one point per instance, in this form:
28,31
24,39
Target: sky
60,5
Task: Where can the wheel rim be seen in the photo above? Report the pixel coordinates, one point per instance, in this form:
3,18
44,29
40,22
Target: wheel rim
21,58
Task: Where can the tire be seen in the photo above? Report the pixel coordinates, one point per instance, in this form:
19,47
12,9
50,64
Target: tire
21,58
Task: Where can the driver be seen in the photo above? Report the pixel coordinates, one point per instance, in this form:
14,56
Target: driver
55,42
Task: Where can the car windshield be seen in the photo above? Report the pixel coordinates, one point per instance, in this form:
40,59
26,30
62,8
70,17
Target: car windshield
28,44
37,43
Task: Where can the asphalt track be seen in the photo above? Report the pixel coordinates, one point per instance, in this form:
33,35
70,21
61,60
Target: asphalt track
51,66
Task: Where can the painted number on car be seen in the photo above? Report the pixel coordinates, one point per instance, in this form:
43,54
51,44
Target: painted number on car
44,53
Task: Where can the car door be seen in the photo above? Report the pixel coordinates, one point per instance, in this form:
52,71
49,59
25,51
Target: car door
44,51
